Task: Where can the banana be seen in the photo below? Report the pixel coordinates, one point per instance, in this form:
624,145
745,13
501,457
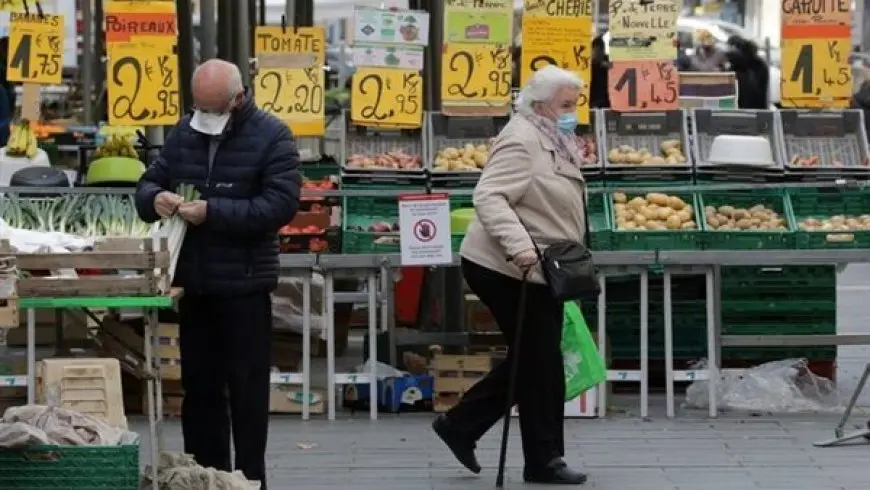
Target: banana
32,147
17,145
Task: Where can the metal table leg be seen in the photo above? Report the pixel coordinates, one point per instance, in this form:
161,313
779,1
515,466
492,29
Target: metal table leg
306,345
31,356
644,343
372,285
329,321
150,341
712,342
669,344
603,388
388,314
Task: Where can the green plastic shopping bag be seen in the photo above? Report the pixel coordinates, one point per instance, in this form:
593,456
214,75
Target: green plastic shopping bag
584,367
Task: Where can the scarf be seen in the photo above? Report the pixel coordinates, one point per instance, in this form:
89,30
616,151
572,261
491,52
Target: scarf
565,143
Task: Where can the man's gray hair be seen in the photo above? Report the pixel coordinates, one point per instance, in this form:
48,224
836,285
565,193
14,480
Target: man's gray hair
543,86
234,75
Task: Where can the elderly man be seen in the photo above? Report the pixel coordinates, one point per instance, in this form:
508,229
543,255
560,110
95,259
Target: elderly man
245,164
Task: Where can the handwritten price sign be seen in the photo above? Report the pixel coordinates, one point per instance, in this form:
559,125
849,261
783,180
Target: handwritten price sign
644,86
816,72
143,84
35,48
387,97
478,74
294,95
11,5
561,41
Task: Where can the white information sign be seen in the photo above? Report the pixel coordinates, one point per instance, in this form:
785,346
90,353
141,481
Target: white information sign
424,221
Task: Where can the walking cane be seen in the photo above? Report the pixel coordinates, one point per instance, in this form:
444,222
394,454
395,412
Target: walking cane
512,382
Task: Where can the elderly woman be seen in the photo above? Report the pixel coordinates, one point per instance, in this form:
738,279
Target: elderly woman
531,192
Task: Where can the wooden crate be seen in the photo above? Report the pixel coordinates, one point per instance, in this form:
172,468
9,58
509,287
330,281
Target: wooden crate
454,375
148,257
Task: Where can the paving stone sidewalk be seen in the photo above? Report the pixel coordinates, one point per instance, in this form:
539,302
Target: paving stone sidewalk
620,453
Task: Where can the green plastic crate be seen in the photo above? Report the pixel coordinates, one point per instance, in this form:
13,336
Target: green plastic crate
365,211
766,354
599,224
743,278
826,203
319,170
70,468
652,239
748,239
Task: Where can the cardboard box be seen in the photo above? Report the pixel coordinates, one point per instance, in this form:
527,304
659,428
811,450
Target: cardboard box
288,399
584,406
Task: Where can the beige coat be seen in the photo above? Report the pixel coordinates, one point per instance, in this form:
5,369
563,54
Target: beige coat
524,177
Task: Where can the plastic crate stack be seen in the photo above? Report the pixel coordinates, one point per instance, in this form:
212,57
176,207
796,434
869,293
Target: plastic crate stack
313,230
378,159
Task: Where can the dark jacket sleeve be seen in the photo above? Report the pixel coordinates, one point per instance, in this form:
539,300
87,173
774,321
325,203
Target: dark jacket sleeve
155,179
278,201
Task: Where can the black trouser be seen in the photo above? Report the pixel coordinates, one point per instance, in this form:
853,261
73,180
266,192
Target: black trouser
540,388
225,347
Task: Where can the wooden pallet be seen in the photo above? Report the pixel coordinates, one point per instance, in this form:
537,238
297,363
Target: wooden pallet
454,375
149,258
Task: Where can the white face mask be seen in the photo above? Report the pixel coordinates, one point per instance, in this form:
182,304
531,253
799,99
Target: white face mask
208,123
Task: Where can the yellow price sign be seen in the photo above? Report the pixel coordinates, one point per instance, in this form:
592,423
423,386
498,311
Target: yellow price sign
35,48
479,74
11,5
388,97
294,95
143,84
816,72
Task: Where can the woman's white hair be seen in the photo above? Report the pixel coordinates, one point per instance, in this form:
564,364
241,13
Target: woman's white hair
543,86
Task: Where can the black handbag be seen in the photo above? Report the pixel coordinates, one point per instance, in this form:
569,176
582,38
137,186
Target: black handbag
568,268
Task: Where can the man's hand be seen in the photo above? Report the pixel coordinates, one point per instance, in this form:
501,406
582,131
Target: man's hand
166,203
193,212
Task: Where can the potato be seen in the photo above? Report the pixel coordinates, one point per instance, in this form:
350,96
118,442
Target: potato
655,211
669,152
835,223
468,158
732,218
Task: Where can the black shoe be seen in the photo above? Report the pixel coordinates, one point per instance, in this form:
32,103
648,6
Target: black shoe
461,448
555,473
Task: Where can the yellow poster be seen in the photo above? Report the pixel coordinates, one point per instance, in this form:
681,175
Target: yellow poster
142,84
476,74
387,97
35,48
562,41
290,82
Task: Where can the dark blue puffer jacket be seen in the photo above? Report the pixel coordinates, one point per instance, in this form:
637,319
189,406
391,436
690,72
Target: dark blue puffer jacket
252,189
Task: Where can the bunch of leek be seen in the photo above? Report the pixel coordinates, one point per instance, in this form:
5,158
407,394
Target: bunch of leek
174,228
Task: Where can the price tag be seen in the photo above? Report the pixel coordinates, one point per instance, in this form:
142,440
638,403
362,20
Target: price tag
387,97
11,5
143,84
294,95
644,86
35,48
643,29
476,74
816,72
561,41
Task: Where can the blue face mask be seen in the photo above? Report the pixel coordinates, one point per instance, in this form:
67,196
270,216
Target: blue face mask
567,122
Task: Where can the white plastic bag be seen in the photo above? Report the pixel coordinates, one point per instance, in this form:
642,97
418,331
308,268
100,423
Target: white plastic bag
287,305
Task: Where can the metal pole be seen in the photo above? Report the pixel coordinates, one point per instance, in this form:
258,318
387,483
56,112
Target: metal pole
225,27
99,104
208,24
243,41
185,51
88,56
262,12
290,12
